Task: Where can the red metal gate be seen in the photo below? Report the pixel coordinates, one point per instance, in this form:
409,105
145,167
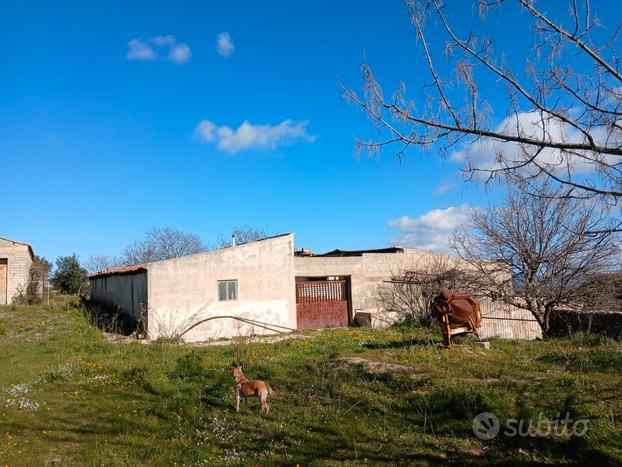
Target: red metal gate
321,304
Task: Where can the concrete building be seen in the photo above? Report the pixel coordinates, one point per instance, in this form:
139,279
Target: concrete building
233,286
366,272
253,281
259,287
15,262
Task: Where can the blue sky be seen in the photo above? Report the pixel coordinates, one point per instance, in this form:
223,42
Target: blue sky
99,135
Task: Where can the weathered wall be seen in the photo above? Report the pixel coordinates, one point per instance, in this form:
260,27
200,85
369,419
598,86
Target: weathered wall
184,290
368,274
371,271
19,261
126,293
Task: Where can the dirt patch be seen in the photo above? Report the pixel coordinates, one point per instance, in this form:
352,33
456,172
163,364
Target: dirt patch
256,339
370,366
121,339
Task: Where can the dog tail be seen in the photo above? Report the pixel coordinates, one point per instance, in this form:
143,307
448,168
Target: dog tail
271,392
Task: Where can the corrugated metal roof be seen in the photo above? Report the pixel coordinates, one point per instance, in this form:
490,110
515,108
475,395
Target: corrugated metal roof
353,252
119,271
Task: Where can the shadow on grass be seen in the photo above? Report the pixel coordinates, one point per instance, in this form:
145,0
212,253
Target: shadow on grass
575,450
401,343
329,445
604,361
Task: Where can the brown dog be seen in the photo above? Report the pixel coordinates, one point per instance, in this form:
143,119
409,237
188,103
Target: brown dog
246,388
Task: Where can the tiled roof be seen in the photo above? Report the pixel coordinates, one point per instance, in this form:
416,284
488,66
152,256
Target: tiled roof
119,271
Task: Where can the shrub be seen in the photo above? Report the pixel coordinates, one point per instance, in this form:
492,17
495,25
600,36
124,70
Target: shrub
69,277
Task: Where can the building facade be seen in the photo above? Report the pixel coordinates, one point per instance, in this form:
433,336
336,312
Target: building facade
231,288
15,263
259,287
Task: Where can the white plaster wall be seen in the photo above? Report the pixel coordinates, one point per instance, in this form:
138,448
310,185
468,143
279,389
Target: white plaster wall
19,262
182,291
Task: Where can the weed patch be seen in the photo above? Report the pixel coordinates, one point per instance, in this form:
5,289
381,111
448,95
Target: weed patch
189,367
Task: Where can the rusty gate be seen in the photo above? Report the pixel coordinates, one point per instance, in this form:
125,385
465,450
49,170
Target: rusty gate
321,304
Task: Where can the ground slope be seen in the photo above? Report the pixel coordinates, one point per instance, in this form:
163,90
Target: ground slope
68,396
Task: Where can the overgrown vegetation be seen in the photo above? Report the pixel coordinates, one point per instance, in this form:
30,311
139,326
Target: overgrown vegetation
69,396
37,285
69,276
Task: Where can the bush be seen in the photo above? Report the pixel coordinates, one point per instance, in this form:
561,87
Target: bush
69,277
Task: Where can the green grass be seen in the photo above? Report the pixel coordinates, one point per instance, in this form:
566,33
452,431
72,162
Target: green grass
102,403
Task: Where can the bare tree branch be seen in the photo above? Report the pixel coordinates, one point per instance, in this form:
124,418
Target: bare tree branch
564,110
164,243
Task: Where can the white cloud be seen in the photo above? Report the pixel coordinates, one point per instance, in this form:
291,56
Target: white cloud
488,154
180,53
138,49
158,48
249,136
162,41
224,44
430,231
443,187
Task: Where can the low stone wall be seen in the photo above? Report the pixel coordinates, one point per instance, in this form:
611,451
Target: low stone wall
569,322
507,322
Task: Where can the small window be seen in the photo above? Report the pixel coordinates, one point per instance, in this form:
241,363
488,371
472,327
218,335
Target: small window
227,290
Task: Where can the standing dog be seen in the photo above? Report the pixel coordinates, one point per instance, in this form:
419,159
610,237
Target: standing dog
246,388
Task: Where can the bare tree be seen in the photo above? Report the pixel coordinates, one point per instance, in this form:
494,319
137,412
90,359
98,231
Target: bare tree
410,291
534,251
98,263
162,243
563,107
243,234
602,292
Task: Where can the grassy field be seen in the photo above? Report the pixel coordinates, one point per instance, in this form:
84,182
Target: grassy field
70,397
